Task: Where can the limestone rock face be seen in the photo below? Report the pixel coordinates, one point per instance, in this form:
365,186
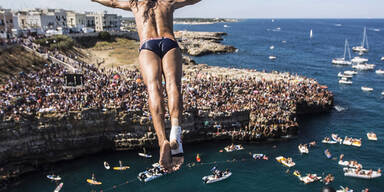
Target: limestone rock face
202,43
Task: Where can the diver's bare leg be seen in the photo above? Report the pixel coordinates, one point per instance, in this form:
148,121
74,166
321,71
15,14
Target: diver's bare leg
150,67
172,69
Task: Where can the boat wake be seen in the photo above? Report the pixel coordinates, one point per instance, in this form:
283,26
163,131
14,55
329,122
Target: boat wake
339,108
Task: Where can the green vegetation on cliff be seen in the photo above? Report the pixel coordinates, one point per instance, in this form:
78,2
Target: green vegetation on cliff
59,42
15,60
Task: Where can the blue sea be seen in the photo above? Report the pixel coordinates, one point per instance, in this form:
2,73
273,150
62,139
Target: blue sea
300,54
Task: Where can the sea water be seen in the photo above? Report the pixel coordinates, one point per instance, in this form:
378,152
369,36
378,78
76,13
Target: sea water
296,53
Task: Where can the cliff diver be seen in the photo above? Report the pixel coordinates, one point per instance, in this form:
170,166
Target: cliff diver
159,57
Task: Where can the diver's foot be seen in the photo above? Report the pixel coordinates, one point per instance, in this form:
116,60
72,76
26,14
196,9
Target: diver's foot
177,162
165,156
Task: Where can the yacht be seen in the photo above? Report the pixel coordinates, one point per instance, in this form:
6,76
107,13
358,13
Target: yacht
367,89
363,48
358,59
380,72
364,67
342,61
272,57
382,58
345,82
350,72
341,75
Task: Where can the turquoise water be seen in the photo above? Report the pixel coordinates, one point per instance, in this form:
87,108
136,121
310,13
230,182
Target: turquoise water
364,112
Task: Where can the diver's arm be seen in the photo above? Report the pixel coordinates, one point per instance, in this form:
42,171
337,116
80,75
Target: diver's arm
182,3
126,5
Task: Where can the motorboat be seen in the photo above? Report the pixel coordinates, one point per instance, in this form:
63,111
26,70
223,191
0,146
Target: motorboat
350,72
341,75
310,178
54,177
380,72
346,189
343,61
351,164
151,174
367,89
363,48
372,136
285,161
345,82
272,57
382,58
303,149
232,148
358,59
364,67
216,176
361,173
382,93
121,167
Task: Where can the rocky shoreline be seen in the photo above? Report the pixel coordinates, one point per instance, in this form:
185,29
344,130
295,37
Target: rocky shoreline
202,43
48,137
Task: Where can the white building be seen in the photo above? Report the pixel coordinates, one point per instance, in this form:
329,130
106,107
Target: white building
6,23
76,21
106,22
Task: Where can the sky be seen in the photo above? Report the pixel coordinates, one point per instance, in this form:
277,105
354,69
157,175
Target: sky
235,8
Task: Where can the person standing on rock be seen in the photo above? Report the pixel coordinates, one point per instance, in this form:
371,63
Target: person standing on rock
160,56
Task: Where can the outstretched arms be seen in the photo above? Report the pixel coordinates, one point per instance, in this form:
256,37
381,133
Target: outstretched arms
182,3
126,5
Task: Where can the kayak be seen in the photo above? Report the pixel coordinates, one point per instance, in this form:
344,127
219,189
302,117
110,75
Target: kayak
106,165
284,161
123,168
54,177
348,164
151,174
363,174
213,179
145,155
93,182
58,188
372,136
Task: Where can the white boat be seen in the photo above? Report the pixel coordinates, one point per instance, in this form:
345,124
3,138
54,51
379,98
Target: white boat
272,57
349,164
367,89
54,177
382,93
213,179
363,174
310,178
233,148
344,189
311,34
226,26
303,149
106,165
339,108
58,188
145,155
350,72
152,173
285,161
343,61
358,59
382,58
341,75
272,47
345,82
364,44
380,72
328,141
372,136
364,67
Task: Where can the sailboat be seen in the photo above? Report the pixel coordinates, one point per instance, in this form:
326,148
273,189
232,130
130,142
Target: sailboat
362,48
311,34
342,61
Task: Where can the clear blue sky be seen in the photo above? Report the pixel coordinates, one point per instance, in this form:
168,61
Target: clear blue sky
237,8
